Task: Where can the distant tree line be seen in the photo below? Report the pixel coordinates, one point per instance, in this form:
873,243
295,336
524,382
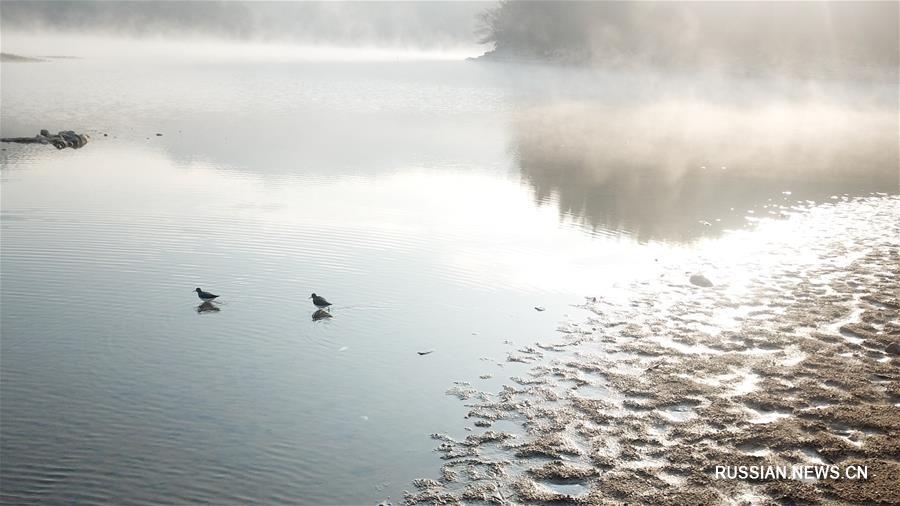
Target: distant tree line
820,36
546,30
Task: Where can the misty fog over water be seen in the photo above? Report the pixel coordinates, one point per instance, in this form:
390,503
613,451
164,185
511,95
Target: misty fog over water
265,151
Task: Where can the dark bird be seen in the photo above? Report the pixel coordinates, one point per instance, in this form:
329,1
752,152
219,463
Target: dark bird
204,296
319,301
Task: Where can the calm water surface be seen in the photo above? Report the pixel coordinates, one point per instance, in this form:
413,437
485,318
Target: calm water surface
435,204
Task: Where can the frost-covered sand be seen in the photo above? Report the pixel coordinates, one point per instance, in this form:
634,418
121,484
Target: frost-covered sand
782,362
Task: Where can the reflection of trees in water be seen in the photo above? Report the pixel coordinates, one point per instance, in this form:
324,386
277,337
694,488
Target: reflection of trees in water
656,171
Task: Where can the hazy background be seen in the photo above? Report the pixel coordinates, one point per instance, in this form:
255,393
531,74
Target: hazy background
423,26
426,24
748,37
824,38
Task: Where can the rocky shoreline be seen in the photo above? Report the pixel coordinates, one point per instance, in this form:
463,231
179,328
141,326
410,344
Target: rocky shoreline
60,140
15,58
789,360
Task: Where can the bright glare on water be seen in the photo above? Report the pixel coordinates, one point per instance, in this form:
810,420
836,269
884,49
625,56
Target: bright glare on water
435,204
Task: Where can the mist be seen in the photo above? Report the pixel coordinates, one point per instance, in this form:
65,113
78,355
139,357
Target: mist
766,38
829,39
421,24
243,30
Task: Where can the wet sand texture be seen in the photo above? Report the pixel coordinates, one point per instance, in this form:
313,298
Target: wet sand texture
640,403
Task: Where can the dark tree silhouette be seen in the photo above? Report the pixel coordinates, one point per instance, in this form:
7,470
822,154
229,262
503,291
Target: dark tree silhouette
819,37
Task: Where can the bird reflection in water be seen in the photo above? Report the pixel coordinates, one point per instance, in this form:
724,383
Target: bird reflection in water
207,307
321,314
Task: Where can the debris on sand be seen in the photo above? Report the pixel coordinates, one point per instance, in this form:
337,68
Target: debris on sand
540,308
701,280
61,140
425,352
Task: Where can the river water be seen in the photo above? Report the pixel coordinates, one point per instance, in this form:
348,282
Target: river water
435,204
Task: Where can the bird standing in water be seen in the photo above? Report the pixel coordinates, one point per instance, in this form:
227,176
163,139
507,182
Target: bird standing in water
319,301
204,296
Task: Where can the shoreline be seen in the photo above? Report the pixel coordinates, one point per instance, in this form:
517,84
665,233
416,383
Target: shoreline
847,71
642,403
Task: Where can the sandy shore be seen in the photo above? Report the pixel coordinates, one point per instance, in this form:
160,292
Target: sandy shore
781,364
